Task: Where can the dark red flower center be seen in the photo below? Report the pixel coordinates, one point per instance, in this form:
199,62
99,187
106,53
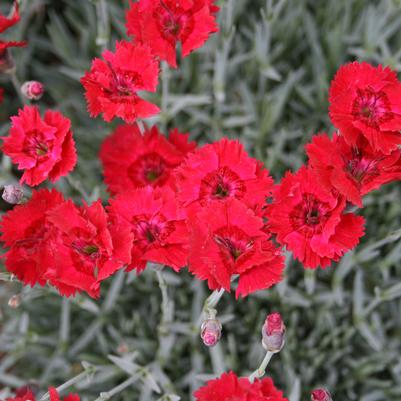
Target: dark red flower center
309,215
35,145
149,169
168,21
221,184
371,107
361,168
233,242
151,229
123,84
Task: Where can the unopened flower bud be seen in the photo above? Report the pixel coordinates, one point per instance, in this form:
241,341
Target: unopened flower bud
320,394
7,64
15,301
273,333
211,332
33,90
13,194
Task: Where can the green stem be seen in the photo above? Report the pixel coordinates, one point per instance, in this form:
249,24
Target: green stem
17,86
103,24
118,389
261,370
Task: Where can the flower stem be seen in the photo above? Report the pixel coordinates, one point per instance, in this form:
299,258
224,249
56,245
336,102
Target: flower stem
17,86
261,370
103,24
212,301
107,395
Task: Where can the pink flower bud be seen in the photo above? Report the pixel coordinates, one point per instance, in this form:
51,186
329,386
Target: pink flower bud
273,333
13,194
211,332
33,90
320,394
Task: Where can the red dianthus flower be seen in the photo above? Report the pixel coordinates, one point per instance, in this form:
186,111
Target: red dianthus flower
43,148
27,231
112,84
367,100
310,220
229,387
6,23
132,160
1,95
227,239
158,225
219,172
89,248
54,396
161,24
352,170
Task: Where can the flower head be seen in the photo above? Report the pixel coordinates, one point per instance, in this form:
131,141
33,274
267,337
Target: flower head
220,172
54,396
310,220
211,332
227,239
157,224
33,90
352,170
366,100
13,194
229,387
161,24
132,160
42,147
113,83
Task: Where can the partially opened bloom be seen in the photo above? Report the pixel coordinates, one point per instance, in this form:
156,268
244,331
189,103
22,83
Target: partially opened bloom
157,224
229,387
27,232
161,24
42,147
366,100
89,247
352,170
227,239
273,333
132,160
320,394
310,220
112,84
220,172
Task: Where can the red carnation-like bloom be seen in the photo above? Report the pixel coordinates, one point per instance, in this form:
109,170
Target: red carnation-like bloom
227,239
310,220
26,396
43,148
6,23
222,171
89,248
352,170
367,100
132,160
229,387
161,24
28,233
54,396
112,84
158,225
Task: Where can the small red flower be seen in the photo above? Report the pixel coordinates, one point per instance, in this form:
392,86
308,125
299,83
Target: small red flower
132,160
229,387
1,95
159,229
25,396
43,148
161,24
227,239
27,231
54,396
89,247
353,171
112,84
219,172
367,100
310,220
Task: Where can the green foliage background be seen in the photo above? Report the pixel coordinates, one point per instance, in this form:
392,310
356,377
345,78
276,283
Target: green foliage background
263,79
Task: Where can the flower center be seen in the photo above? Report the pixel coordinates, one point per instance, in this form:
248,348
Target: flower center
233,242
371,107
168,21
221,184
309,215
35,145
151,229
149,169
